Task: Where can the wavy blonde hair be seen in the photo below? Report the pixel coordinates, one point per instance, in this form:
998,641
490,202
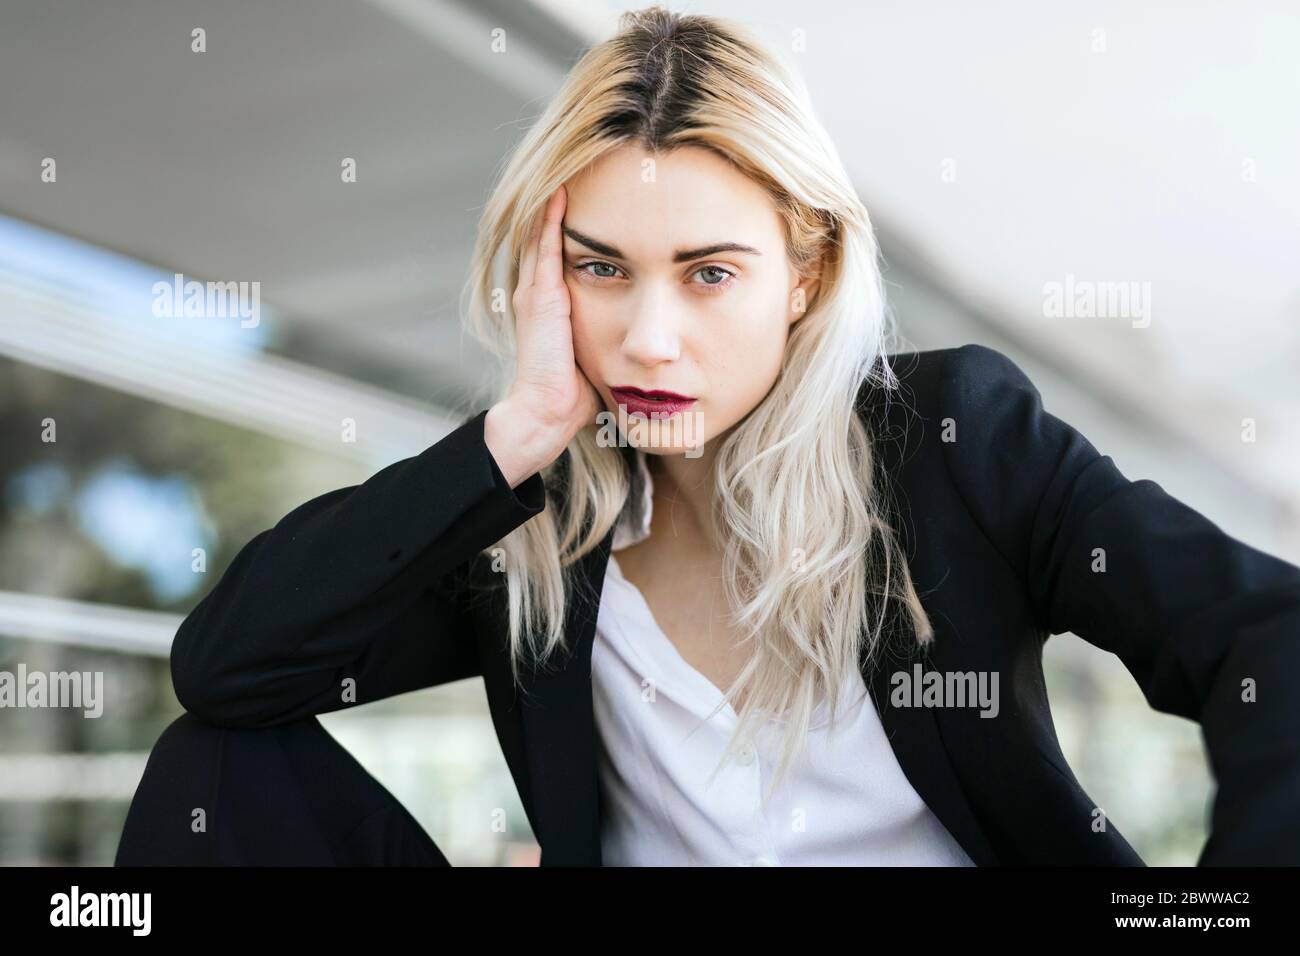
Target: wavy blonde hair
810,566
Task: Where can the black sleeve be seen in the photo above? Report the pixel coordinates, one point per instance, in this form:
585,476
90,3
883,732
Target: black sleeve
357,583
1208,626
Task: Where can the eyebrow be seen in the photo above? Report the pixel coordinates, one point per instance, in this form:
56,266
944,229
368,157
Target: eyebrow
681,255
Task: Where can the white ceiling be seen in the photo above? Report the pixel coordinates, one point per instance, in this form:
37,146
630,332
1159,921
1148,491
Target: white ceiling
227,163
1122,165
1114,161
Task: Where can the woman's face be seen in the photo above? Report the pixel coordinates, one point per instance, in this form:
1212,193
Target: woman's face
679,282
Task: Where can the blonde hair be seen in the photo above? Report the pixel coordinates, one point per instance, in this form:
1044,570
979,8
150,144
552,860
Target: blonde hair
809,563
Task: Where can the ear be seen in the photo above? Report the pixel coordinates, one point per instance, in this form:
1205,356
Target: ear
803,294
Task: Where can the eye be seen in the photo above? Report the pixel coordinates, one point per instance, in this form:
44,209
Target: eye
720,278
584,266
716,278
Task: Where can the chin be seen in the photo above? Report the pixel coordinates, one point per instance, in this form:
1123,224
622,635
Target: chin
682,433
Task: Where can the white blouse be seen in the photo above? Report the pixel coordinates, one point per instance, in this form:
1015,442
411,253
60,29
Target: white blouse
844,802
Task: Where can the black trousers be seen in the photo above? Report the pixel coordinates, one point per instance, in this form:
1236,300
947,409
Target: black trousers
289,795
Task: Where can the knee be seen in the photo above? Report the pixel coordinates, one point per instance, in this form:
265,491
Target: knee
284,794
166,821
192,767
184,734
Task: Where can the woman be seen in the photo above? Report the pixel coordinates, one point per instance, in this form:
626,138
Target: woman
707,472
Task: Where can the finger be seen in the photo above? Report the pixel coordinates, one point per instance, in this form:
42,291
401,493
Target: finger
528,267
548,272
528,260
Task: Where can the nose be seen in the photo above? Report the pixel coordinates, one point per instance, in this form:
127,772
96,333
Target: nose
652,336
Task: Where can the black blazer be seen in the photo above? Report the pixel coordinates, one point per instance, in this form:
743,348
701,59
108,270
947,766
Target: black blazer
384,582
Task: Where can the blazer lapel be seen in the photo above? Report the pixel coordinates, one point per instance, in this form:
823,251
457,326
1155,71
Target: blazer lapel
559,725
560,744
913,733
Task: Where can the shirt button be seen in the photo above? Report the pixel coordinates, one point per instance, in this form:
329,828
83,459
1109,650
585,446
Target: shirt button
746,755
763,861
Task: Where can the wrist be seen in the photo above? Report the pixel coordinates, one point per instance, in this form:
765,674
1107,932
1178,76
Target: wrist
520,443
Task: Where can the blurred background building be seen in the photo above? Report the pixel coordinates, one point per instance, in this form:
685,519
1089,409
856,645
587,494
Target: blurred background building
1001,149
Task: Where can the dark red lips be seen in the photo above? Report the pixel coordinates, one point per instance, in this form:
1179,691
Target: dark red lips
650,402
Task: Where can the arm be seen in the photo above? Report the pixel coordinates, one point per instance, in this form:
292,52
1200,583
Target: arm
359,582
1194,614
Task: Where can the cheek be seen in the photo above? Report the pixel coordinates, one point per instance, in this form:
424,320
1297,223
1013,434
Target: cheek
753,370
744,358
580,318
749,337
591,336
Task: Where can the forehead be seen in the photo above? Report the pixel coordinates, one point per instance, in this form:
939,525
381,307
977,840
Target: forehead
647,204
